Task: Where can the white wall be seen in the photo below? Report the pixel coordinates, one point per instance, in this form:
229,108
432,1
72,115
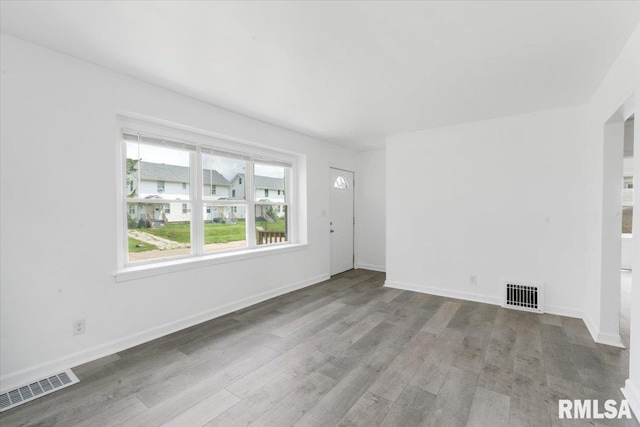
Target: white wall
371,210
498,199
58,127
620,85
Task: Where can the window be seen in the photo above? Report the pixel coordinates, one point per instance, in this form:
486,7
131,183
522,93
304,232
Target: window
270,215
213,217
627,220
150,166
341,183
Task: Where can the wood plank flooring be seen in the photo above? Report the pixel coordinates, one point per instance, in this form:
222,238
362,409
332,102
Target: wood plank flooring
346,352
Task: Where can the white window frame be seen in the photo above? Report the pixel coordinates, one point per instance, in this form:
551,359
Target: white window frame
207,144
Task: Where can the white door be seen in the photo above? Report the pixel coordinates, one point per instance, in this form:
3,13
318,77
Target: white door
341,220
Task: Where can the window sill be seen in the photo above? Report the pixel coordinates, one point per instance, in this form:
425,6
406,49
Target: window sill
150,270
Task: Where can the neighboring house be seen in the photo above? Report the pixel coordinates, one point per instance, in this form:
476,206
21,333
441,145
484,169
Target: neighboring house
170,182
157,182
627,189
627,168
267,189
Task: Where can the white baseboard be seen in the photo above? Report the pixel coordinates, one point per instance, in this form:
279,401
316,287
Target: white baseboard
593,330
468,296
563,311
25,376
631,392
613,340
373,267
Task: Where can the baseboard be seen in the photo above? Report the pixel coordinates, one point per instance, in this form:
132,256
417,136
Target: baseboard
612,340
593,330
631,392
467,296
25,376
373,267
563,311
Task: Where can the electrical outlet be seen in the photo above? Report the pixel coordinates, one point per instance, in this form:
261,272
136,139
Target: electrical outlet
472,279
77,327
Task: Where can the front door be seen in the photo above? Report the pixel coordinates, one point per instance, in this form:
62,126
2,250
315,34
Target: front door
341,220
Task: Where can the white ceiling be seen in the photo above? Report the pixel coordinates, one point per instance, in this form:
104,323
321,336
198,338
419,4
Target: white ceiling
346,72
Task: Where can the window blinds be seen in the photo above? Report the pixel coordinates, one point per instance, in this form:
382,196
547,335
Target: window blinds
134,136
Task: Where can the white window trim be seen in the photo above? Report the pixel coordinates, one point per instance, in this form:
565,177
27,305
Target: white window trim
188,263
198,258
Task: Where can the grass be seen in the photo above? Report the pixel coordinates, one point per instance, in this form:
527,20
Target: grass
133,246
180,233
213,232
223,233
627,219
278,225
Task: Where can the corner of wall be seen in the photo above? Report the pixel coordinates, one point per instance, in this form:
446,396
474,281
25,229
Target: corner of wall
612,340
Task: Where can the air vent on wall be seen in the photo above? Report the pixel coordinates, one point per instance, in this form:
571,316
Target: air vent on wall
36,389
523,295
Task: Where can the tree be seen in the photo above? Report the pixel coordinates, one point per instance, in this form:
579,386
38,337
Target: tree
132,168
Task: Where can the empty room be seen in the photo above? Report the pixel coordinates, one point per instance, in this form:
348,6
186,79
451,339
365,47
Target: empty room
310,213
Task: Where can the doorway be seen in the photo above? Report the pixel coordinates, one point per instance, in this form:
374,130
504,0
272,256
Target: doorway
627,230
341,220
614,206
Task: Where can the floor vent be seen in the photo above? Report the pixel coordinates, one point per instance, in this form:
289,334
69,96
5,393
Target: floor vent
36,389
525,296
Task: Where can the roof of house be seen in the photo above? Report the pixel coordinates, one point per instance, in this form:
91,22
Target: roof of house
172,173
265,181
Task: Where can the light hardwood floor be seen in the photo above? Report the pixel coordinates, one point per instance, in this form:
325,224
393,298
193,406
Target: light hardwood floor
345,352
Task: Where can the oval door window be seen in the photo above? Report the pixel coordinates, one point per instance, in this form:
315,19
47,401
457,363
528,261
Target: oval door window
341,183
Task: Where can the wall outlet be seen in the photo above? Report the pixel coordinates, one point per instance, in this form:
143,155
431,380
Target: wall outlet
77,327
472,279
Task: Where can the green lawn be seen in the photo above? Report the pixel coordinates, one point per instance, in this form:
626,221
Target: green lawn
627,219
278,225
223,233
213,232
133,246
177,232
